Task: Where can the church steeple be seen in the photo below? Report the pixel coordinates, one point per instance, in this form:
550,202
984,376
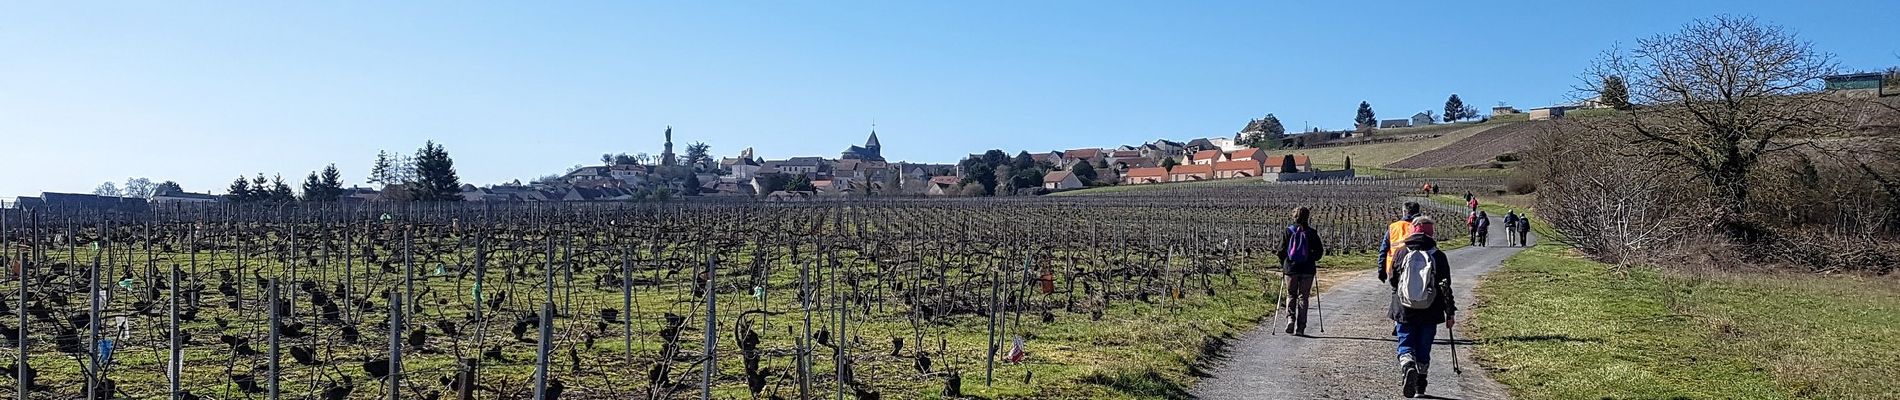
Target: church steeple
872,143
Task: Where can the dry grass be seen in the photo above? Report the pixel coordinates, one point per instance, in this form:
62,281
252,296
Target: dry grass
1379,154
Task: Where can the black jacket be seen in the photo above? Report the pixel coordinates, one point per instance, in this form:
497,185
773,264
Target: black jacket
1301,267
1443,306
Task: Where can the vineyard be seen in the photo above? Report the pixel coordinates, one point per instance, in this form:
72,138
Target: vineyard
906,298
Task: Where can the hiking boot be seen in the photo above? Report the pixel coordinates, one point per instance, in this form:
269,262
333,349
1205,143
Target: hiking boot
1424,377
1289,327
1411,375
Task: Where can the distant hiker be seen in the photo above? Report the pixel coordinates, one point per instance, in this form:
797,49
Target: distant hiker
1524,230
1421,299
1468,197
1510,227
1483,231
1300,251
1472,202
1395,234
1471,226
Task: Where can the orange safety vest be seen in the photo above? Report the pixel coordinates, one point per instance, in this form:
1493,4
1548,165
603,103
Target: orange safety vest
1396,233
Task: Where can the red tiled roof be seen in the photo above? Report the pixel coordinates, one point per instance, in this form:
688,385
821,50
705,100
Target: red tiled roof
1193,169
1149,172
1125,153
1055,176
1207,155
1082,154
1242,165
1297,160
945,180
1247,154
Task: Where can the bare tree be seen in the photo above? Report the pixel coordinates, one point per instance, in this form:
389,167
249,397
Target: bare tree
107,189
1716,96
138,187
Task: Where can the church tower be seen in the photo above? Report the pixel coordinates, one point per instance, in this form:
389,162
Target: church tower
877,150
666,156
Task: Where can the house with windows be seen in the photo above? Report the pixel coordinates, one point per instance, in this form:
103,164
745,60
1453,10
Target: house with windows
1247,154
942,186
1188,173
1273,163
1236,169
1059,180
1145,175
1206,157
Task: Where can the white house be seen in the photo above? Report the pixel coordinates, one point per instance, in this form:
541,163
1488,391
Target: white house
1058,180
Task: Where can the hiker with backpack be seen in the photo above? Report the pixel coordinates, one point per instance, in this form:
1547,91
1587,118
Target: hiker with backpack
1300,252
1395,234
1524,230
1510,227
1482,234
1421,299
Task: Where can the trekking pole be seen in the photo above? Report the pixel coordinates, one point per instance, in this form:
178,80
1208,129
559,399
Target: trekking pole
1454,351
1320,307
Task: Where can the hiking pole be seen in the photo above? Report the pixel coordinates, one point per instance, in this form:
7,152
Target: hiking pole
1454,351
1321,308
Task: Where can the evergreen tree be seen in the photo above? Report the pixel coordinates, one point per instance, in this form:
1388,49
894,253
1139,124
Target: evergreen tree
1287,164
799,183
327,186
312,188
239,191
698,155
260,188
279,191
692,185
435,178
1616,94
333,180
1366,117
1455,109
382,173
1022,161
1084,172
1169,163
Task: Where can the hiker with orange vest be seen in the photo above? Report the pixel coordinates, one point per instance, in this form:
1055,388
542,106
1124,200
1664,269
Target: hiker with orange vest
1395,235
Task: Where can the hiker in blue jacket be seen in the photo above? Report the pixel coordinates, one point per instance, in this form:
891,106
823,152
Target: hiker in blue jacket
1300,251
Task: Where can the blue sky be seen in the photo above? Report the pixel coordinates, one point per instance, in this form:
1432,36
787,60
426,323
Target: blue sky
201,92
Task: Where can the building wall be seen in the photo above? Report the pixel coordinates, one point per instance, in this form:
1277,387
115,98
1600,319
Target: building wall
1309,176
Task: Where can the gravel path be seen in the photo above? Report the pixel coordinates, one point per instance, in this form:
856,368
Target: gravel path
1355,358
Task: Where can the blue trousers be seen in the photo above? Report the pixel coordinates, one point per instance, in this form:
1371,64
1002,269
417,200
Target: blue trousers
1416,339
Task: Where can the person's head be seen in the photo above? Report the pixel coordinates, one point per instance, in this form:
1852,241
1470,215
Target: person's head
1302,216
1411,210
1423,224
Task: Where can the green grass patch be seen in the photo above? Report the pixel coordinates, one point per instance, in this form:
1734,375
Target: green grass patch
1555,325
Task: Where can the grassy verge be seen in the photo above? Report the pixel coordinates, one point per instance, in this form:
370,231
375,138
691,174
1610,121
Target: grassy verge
1555,325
